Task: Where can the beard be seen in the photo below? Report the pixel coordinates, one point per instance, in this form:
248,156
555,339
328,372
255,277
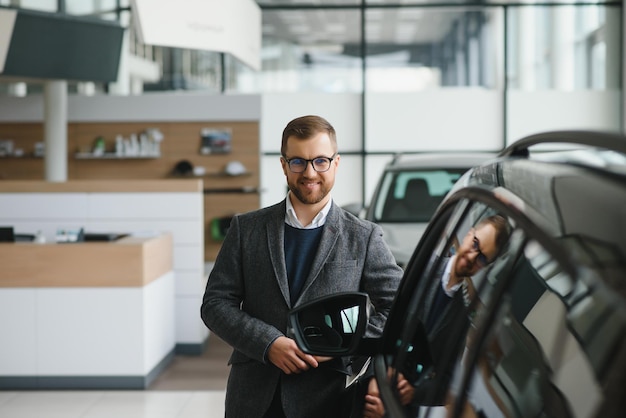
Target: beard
308,197
464,267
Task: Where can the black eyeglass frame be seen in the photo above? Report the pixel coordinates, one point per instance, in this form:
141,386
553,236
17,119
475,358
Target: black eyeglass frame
481,258
306,163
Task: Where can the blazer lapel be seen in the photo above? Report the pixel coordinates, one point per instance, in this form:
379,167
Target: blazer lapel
275,228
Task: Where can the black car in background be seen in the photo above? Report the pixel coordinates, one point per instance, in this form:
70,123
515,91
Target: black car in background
540,330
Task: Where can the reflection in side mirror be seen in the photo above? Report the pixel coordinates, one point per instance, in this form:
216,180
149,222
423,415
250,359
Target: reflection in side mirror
331,325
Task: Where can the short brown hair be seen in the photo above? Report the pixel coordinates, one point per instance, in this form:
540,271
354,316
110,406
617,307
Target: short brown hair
305,127
500,224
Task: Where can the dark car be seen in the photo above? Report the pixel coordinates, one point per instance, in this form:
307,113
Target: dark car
539,330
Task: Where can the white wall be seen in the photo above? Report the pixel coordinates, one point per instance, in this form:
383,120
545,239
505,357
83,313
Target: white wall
449,119
539,111
343,111
149,107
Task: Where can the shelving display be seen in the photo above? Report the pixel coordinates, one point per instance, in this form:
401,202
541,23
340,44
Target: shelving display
19,157
119,151
112,156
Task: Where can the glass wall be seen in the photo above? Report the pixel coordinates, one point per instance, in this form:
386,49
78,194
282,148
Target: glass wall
41,5
305,50
435,83
567,50
563,68
413,49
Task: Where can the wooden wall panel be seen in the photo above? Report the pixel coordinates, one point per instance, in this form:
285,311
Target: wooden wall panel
26,168
182,141
217,205
24,136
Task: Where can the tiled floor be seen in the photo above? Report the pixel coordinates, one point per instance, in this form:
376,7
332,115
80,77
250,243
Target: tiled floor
112,404
192,387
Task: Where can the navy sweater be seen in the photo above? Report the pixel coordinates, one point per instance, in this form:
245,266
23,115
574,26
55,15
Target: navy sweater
300,249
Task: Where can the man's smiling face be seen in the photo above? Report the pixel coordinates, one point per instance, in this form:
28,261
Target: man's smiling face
310,187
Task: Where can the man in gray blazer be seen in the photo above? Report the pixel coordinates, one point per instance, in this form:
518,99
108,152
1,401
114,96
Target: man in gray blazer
279,257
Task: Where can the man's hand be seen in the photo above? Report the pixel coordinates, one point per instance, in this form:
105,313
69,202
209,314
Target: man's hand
405,390
373,407
285,354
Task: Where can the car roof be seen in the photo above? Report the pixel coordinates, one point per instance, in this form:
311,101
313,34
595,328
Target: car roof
576,194
439,160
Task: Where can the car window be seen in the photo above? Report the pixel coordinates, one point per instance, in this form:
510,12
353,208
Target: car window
443,316
413,196
548,349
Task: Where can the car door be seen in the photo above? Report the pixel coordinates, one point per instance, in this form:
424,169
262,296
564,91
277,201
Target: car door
552,346
437,346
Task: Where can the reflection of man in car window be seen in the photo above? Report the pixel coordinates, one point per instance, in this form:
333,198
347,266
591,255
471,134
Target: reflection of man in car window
453,291
444,308
479,248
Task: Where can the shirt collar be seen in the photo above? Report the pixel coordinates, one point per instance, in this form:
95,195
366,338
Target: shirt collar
445,279
291,218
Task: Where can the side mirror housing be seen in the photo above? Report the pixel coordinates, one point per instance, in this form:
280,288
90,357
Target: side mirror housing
332,325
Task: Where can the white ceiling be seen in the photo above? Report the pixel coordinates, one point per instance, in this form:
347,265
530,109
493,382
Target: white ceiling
343,26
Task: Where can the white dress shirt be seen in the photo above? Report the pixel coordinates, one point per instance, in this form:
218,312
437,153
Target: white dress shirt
291,218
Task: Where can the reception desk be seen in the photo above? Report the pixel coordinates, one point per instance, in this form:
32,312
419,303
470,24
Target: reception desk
175,206
86,315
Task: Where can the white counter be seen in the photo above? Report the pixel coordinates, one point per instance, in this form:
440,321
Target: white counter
111,326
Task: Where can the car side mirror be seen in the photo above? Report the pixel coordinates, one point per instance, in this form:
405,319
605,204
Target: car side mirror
332,325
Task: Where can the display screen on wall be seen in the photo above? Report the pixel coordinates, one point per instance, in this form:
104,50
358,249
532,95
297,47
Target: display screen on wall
53,46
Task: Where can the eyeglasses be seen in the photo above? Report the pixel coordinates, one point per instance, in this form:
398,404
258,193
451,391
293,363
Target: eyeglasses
480,258
319,164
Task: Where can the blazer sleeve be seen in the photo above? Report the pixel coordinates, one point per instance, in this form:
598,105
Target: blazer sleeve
380,280
221,305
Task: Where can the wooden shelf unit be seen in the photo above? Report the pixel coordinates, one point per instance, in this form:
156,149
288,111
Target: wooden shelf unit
181,142
112,156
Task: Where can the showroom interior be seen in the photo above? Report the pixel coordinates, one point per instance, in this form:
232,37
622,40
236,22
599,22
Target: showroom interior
147,119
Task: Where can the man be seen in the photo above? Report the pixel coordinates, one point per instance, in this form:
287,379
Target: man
452,293
479,248
279,257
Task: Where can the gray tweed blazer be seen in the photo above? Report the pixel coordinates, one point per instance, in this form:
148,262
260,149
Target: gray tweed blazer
246,303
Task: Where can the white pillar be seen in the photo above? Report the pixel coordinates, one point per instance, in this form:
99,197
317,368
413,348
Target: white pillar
562,48
55,130
526,70
613,39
